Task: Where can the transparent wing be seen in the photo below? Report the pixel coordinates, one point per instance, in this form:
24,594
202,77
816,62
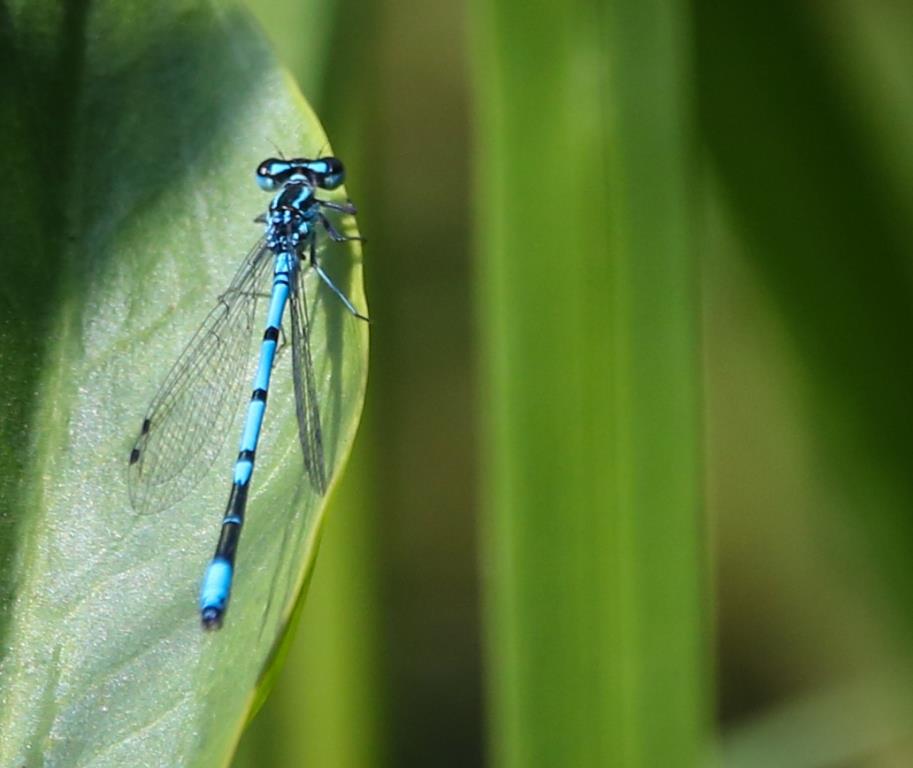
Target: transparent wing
185,426
306,406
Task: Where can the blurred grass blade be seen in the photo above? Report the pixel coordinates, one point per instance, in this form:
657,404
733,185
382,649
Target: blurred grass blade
132,132
588,303
292,27
816,198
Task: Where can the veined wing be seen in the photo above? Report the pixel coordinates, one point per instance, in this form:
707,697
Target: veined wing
185,427
307,408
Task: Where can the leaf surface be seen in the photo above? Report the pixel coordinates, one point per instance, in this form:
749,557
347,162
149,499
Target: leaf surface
130,133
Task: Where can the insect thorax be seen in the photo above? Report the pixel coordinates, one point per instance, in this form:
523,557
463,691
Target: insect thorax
292,212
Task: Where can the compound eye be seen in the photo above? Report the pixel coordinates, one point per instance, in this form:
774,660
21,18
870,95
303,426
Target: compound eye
334,174
265,181
272,173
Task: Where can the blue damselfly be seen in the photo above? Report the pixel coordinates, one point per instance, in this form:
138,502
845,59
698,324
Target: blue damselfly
184,427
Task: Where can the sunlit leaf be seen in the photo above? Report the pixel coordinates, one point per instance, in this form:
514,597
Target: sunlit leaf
130,135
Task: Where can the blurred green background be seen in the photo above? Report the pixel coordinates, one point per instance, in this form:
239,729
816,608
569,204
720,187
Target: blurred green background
633,485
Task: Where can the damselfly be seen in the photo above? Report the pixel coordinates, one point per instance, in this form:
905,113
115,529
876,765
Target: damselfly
184,426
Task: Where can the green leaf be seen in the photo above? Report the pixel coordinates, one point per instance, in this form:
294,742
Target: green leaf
130,135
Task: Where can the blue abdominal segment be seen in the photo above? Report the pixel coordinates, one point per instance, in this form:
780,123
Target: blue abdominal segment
216,589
